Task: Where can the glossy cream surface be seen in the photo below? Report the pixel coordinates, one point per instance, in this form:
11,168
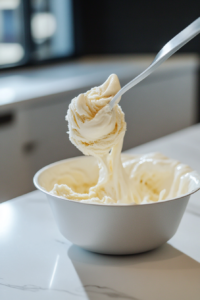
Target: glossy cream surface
98,131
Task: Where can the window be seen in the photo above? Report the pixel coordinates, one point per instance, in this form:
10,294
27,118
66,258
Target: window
12,50
35,31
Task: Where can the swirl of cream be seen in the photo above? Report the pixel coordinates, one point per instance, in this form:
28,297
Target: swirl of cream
93,128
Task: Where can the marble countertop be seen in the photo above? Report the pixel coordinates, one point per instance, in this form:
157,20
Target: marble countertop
37,262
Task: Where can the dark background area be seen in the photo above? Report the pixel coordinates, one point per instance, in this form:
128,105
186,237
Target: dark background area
132,27
109,26
113,27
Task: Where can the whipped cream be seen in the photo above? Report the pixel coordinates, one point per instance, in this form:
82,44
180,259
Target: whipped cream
97,130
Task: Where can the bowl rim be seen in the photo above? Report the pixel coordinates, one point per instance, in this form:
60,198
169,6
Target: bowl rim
39,172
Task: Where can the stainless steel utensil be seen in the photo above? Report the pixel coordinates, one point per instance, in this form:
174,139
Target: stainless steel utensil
168,50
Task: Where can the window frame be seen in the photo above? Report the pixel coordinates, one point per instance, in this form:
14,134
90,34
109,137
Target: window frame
27,61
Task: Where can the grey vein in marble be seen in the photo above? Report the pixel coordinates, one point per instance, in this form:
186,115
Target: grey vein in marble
35,288
62,242
111,293
193,212
94,289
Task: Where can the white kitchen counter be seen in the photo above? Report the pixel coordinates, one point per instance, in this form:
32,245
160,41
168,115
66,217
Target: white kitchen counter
39,85
37,262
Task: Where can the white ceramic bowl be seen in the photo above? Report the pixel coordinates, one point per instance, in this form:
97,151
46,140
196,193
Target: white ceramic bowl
110,229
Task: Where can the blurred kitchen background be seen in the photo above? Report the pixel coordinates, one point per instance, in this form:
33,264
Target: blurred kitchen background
52,50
